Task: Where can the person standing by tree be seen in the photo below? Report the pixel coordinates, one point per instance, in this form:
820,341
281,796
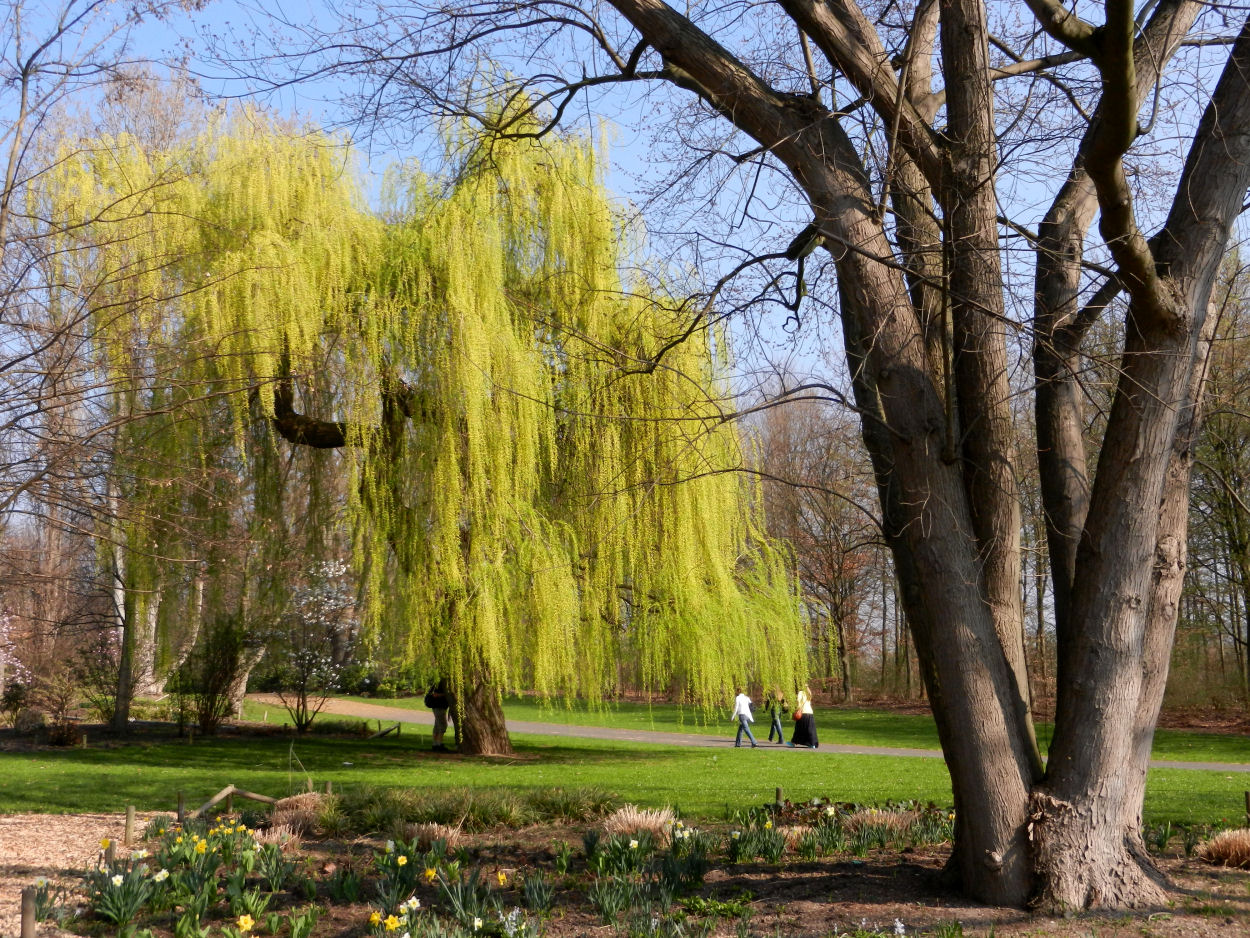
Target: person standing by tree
742,710
439,699
805,725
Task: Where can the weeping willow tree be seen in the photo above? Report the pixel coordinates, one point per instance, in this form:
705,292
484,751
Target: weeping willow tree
530,505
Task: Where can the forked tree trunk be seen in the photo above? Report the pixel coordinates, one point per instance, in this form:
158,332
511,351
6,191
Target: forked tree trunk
939,435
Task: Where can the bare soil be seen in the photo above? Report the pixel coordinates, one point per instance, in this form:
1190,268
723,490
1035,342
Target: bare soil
797,898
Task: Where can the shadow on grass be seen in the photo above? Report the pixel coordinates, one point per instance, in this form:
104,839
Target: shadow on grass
150,774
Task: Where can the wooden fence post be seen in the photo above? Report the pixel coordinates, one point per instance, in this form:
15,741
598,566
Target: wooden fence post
129,837
182,808
28,912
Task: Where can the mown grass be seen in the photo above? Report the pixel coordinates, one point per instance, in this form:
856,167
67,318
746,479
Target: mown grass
702,783
840,726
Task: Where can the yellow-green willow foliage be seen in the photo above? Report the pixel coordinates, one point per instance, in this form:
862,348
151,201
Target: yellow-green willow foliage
529,503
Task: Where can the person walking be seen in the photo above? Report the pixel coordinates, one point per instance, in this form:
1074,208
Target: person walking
742,710
776,707
805,722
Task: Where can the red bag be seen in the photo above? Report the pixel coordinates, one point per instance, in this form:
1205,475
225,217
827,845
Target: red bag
798,715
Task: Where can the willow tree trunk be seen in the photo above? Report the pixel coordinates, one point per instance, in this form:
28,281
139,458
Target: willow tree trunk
480,720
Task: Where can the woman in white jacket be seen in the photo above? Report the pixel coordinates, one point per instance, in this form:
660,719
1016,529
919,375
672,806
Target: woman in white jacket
742,711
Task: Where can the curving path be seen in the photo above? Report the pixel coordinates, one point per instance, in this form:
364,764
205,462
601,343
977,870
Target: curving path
351,708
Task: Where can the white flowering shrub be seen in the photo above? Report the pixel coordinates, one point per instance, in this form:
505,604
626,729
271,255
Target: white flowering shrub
314,641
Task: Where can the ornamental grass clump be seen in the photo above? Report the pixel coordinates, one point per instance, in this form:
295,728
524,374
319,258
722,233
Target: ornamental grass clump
1227,848
633,820
300,812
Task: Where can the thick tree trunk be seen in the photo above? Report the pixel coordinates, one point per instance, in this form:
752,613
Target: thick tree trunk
1130,561
479,718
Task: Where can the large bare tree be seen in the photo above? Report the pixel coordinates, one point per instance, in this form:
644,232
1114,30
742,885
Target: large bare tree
899,129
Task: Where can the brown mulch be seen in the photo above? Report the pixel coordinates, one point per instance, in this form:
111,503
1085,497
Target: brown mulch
55,846
813,899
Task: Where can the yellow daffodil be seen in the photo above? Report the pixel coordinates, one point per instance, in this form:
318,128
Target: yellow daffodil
430,873
401,860
374,917
502,877
104,843
391,923
245,923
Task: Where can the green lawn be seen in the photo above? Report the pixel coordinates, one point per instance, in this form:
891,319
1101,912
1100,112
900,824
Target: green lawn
702,783
839,726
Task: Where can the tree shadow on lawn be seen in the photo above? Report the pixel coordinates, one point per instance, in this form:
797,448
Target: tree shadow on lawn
150,773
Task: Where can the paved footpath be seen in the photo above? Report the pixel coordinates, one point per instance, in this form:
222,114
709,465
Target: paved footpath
352,708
